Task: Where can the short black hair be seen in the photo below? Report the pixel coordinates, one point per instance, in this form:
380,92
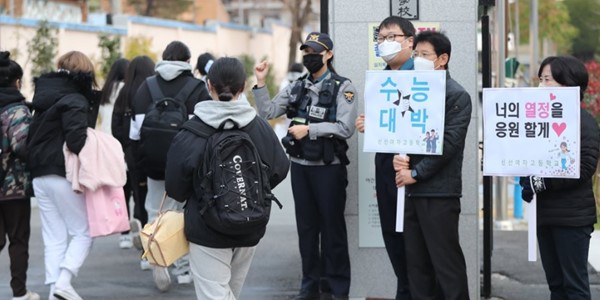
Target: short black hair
407,27
440,42
203,60
227,76
176,51
567,71
10,70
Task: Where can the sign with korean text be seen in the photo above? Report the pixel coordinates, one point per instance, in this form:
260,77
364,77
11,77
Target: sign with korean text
531,131
407,9
368,213
404,112
375,61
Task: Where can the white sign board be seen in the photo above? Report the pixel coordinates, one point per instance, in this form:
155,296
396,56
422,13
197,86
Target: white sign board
404,112
531,131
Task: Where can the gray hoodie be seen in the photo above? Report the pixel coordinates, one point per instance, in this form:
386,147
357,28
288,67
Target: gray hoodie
214,113
170,69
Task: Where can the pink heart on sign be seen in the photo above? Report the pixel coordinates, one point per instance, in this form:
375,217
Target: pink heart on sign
559,128
552,97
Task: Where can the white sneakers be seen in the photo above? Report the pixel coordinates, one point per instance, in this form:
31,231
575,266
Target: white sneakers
67,293
162,279
29,296
136,227
125,241
145,265
184,278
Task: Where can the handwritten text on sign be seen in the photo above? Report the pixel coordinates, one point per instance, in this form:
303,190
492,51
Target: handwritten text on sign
404,111
531,131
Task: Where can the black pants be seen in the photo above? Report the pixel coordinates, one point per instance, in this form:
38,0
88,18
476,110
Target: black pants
386,201
320,200
136,184
14,223
433,253
564,253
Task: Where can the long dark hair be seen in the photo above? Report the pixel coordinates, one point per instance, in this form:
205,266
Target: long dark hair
227,77
115,75
138,70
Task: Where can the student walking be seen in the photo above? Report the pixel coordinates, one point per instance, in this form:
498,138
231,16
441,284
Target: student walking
220,258
62,114
15,205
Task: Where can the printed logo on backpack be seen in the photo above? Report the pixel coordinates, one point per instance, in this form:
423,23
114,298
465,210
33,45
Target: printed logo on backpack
233,181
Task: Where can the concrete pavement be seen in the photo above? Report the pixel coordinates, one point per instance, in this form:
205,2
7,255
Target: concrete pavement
113,273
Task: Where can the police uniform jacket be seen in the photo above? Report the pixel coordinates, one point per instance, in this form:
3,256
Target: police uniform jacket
342,128
440,175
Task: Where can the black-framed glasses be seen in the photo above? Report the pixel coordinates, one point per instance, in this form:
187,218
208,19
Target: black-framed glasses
390,37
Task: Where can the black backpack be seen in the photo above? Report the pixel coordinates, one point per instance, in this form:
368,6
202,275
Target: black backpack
162,122
232,180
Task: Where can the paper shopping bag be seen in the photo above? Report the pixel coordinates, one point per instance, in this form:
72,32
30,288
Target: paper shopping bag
107,213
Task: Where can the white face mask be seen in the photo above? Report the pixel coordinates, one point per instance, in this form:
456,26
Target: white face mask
389,50
422,63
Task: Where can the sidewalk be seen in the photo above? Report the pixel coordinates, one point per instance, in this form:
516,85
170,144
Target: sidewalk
515,278
113,273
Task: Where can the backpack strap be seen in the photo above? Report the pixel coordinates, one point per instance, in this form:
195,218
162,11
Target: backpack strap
155,91
199,128
187,90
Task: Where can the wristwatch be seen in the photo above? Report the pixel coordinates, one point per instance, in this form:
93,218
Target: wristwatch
413,174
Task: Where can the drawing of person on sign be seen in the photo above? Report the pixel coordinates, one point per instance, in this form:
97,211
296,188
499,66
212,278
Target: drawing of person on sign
565,156
427,141
433,137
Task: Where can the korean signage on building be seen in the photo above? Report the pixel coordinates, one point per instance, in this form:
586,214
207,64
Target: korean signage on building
407,9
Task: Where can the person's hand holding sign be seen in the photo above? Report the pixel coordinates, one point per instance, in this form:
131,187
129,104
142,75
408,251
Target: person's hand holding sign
403,173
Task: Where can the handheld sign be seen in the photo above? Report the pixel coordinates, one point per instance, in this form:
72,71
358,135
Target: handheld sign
404,113
531,132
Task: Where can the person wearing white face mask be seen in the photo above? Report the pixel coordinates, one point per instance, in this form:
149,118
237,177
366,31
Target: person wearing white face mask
394,43
434,187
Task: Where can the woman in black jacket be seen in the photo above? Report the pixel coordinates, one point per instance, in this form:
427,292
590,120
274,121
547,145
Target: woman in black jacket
219,262
62,113
566,209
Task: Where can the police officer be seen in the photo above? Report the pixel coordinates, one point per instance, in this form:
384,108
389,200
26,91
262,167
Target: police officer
322,106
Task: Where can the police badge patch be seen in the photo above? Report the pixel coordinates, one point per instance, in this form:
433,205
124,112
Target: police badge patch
349,96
